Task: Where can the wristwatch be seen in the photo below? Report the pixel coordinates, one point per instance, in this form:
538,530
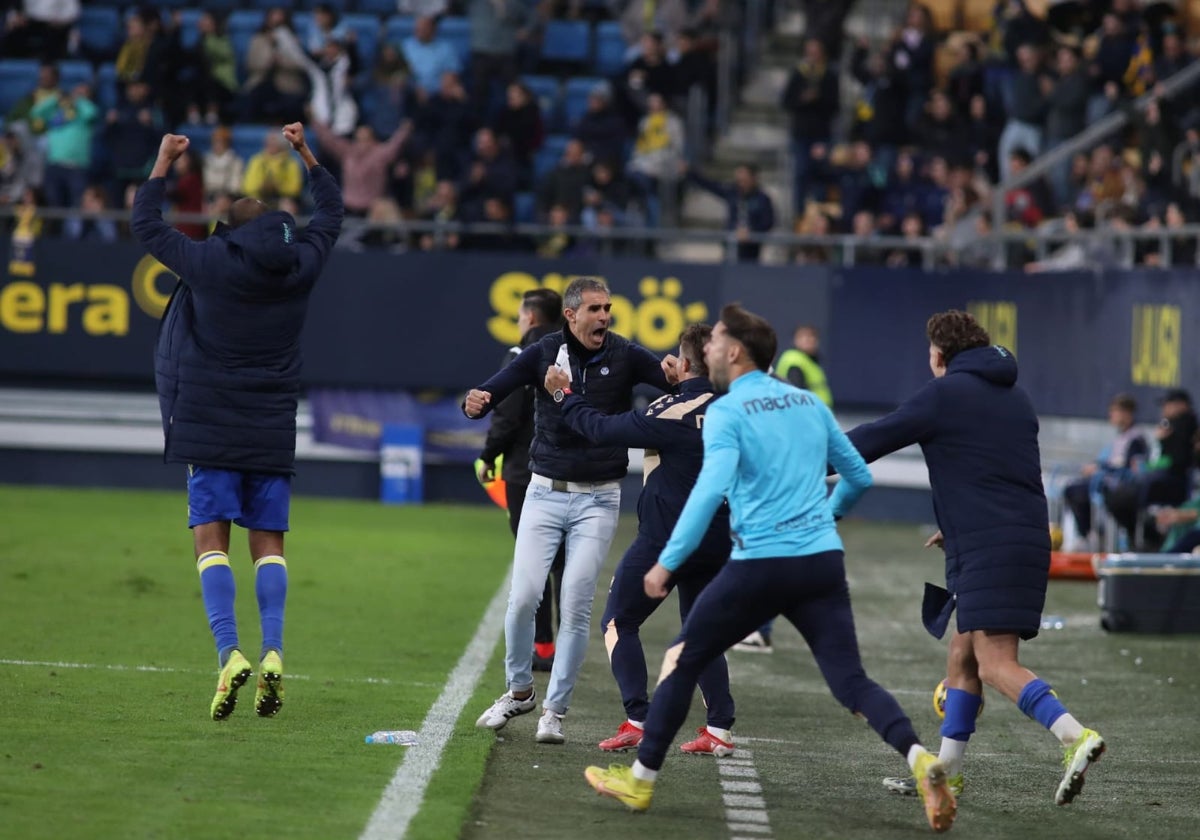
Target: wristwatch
560,394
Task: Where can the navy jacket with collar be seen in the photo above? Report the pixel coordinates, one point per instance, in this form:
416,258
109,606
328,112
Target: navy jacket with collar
227,365
979,433
670,430
605,378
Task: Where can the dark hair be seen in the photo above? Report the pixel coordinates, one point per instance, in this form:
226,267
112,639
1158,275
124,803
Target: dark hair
546,303
244,210
573,296
955,331
691,345
1125,402
755,334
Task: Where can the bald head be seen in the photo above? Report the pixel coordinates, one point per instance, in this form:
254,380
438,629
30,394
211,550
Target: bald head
245,210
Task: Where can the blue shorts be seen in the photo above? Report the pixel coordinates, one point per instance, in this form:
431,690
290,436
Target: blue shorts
253,500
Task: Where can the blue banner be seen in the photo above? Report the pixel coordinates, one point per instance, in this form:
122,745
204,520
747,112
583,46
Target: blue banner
442,321
356,419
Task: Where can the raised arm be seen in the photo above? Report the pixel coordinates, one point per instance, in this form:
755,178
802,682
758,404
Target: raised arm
630,428
913,422
523,371
337,146
326,222
167,245
647,368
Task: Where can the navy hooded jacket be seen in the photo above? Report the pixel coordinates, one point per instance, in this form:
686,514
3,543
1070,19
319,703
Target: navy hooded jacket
605,378
979,434
227,365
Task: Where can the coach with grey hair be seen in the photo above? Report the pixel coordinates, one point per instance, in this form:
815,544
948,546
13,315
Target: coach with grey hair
574,492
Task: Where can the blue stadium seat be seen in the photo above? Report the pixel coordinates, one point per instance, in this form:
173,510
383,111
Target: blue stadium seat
107,91
199,135
74,72
339,5
549,155
241,26
567,40
610,49
189,27
302,22
524,208
545,90
17,78
575,99
100,31
382,8
457,30
367,28
247,140
397,28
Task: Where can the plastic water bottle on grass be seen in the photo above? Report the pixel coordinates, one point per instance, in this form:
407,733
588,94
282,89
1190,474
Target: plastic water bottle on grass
400,737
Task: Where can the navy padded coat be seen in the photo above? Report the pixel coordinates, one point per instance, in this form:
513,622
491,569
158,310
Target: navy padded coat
979,433
227,364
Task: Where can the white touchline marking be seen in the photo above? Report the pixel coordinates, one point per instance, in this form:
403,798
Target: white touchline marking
733,770
743,800
745,807
731,786
404,794
746,815
155,669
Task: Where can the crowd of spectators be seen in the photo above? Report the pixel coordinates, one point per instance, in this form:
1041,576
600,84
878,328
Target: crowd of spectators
941,121
499,121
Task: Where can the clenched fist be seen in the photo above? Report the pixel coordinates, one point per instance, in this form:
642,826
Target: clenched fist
172,146
475,402
294,134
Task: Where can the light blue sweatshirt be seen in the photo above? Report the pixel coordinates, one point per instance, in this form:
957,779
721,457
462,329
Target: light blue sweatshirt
767,447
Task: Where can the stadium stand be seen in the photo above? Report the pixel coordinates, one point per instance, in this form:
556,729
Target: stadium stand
937,170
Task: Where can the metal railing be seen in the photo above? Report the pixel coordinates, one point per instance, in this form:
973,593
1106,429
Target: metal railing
1089,137
930,253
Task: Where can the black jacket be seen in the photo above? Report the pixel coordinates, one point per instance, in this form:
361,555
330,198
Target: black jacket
979,434
511,431
670,432
227,366
605,379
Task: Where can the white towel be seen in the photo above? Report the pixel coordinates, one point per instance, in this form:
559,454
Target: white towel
563,362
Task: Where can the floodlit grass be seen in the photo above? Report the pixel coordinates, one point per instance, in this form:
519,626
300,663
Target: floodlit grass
382,603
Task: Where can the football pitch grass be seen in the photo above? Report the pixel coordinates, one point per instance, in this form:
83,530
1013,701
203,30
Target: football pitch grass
107,670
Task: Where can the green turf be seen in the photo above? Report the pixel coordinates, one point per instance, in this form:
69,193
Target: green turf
106,578
396,593
821,769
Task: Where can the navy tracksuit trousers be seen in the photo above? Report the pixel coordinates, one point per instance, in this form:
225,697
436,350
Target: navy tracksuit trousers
628,608
810,592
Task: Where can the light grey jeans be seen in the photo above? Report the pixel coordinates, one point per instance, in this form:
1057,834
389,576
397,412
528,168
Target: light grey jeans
588,521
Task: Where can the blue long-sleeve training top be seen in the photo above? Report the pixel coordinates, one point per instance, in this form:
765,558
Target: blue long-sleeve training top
767,446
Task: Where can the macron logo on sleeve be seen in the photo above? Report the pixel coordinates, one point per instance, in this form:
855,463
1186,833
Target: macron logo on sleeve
287,234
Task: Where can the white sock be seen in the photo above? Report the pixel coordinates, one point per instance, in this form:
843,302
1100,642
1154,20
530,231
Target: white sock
724,734
914,752
951,755
637,724
1067,730
644,773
